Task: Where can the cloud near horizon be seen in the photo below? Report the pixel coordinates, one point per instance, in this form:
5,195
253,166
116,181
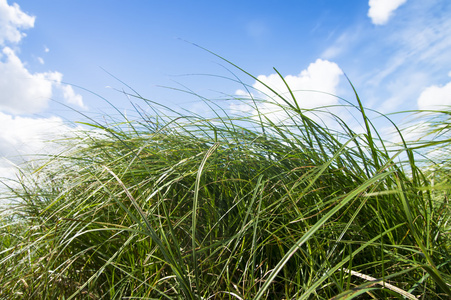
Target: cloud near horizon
23,138
380,11
26,92
435,97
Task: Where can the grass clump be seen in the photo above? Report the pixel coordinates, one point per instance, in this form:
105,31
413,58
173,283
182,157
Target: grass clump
229,207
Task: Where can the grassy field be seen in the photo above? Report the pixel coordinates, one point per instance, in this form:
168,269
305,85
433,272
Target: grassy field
180,206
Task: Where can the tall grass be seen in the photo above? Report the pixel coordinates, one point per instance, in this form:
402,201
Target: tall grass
180,206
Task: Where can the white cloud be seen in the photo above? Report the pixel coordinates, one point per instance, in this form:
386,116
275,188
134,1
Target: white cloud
71,97
391,65
435,97
309,87
401,91
23,92
240,108
26,93
381,10
41,60
22,138
12,19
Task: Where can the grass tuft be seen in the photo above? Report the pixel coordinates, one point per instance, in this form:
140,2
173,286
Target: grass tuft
180,206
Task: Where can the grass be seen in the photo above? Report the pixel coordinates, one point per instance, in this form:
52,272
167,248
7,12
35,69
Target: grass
182,206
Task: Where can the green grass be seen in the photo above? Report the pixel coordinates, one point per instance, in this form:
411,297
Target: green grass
182,206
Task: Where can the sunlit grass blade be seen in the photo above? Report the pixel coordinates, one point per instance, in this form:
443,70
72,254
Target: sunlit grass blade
261,203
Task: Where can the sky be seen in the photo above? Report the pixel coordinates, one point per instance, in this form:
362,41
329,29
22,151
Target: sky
58,58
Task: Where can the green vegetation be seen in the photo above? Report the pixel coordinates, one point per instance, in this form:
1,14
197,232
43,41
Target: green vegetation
231,207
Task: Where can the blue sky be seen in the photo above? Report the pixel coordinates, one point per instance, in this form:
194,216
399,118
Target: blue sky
396,53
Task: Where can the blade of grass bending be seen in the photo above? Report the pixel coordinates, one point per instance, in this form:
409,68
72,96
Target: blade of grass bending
172,232
289,90
245,86
254,234
170,260
259,187
323,168
194,216
431,268
98,272
248,74
339,265
315,228
367,126
345,229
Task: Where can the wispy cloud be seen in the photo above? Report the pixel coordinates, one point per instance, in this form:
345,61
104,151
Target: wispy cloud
391,65
342,44
256,29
